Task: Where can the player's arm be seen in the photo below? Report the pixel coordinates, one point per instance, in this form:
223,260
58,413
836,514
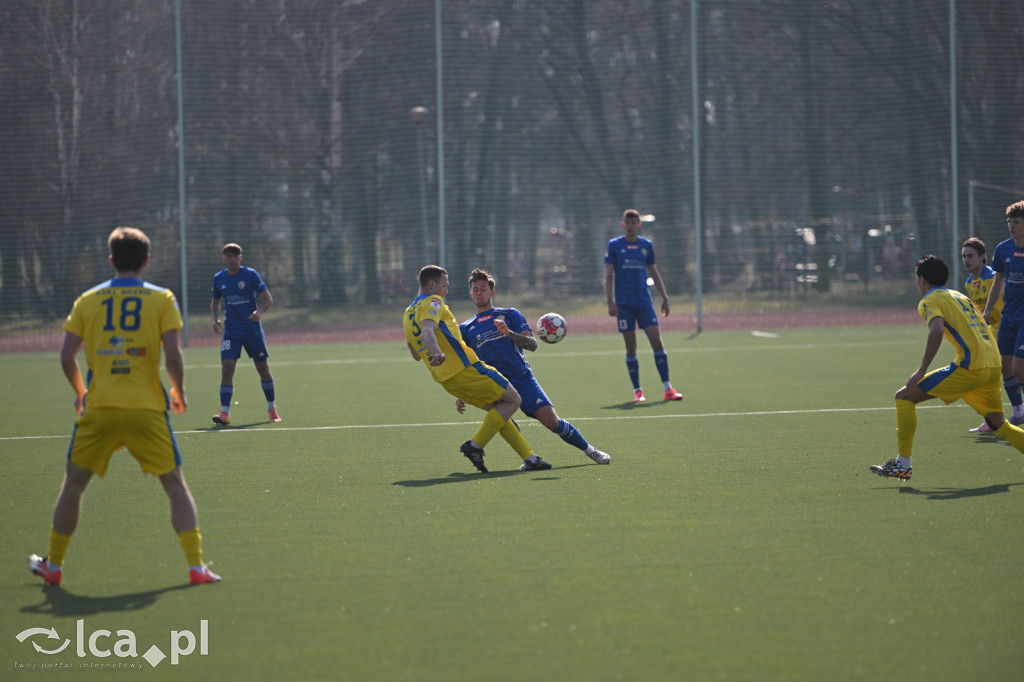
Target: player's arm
609,277
659,285
524,340
931,349
215,311
994,292
428,327
266,300
69,362
174,361
415,355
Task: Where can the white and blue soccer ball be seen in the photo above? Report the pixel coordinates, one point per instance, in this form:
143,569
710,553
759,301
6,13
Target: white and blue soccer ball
551,328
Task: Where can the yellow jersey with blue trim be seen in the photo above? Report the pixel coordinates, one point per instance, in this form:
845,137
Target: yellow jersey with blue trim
449,338
963,327
122,322
977,289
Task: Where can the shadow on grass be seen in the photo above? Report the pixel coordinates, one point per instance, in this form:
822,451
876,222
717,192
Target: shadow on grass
462,477
59,602
958,493
649,403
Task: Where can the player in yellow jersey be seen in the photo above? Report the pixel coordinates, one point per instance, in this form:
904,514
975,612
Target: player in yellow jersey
973,375
433,336
122,323
979,282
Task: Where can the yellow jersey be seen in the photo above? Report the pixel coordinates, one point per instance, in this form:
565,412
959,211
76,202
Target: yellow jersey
449,338
121,322
964,328
977,289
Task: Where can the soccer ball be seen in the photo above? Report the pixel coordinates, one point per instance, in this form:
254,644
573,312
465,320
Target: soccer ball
551,328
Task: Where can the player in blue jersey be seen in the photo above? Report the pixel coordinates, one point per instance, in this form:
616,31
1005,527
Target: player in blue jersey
499,336
979,280
629,261
1008,287
973,375
245,298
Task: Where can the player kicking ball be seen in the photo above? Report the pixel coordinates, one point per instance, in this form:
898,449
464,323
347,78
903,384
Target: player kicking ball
499,336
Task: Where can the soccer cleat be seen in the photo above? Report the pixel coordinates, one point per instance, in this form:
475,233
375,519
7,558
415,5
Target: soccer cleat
222,417
474,454
638,396
599,457
38,565
892,470
539,465
274,416
1017,421
201,576
673,394
984,428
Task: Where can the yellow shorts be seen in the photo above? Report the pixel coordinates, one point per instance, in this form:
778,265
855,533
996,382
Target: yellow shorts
477,385
147,434
982,389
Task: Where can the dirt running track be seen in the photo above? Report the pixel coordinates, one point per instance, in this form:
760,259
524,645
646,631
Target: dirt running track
767,320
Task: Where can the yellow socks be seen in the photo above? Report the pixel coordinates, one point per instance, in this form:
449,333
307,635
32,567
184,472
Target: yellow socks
906,426
510,432
1011,433
192,544
492,424
58,548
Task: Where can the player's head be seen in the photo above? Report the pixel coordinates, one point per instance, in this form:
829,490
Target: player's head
1015,210
932,270
231,249
481,288
631,222
972,251
129,249
433,279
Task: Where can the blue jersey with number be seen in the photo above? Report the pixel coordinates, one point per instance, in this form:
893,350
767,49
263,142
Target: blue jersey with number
631,260
241,298
493,347
1009,260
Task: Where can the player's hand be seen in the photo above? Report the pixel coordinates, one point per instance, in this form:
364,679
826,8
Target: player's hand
255,317
914,380
79,404
664,308
217,327
437,360
460,406
500,325
613,310
178,404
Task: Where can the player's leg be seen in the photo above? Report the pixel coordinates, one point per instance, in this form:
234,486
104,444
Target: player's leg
653,332
185,521
65,520
627,326
906,400
229,353
549,418
267,384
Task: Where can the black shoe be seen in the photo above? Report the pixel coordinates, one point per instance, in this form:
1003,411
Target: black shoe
539,465
474,454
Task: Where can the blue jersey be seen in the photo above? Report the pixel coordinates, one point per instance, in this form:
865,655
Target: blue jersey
493,347
1009,260
631,260
241,298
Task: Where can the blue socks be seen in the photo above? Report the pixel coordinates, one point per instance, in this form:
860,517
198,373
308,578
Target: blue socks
570,435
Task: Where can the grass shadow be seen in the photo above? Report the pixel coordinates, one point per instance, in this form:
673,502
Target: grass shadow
59,602
958,493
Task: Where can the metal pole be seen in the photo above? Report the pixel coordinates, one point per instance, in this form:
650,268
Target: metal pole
181,173
954,160
440,132
697,220
418,114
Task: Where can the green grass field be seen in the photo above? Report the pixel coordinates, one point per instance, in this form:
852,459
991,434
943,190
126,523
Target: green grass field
737,535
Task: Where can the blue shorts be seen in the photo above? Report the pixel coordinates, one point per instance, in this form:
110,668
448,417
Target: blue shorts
631,316
253,343
1010,338
532,394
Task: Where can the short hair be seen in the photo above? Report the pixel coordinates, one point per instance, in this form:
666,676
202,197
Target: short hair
231,249
129,248
481,275
1015,210
977,245
934,271
630,213
431,273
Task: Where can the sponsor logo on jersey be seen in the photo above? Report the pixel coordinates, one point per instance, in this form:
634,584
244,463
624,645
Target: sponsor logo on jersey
484,318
